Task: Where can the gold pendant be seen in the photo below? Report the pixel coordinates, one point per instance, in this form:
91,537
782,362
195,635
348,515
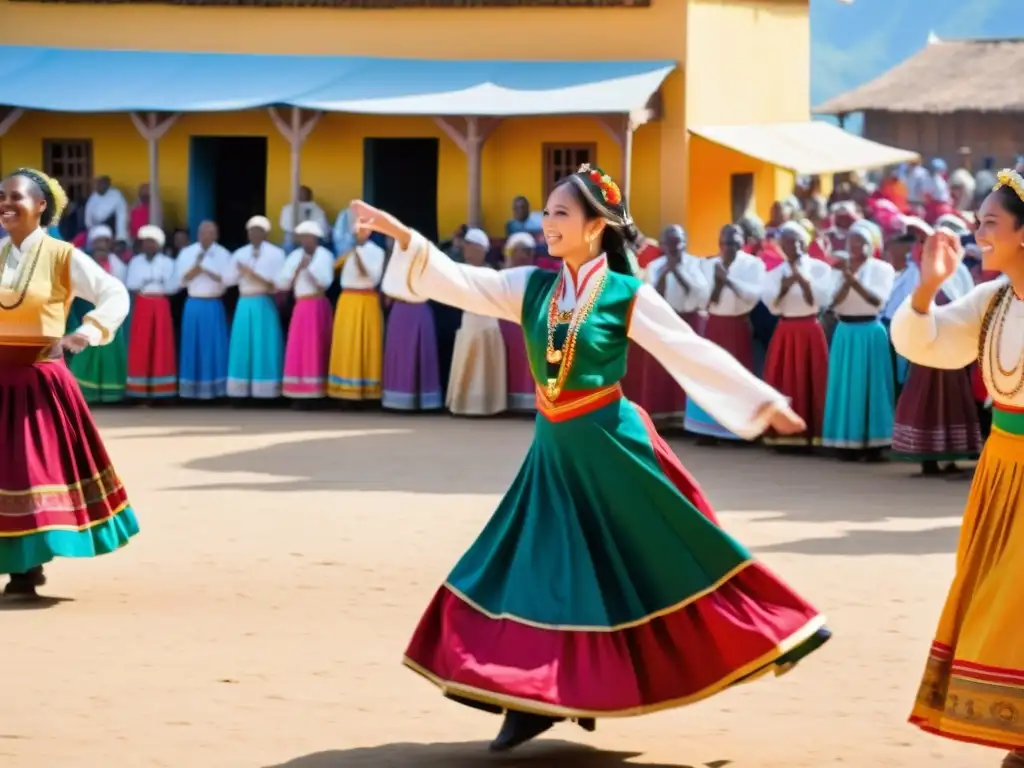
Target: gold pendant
553,389
554,356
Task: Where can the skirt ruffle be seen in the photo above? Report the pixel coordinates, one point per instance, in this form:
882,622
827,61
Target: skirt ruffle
973,684
59,494
603,586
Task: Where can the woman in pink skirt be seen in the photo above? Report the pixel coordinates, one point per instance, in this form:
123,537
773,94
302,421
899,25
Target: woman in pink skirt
307,273
520,250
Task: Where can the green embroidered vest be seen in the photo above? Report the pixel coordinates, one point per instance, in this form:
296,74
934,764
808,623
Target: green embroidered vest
601,346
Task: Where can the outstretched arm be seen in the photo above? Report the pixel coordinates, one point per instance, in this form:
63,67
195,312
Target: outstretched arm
733,396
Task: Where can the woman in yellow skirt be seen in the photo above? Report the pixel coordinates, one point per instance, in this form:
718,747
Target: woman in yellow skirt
973,687
357,347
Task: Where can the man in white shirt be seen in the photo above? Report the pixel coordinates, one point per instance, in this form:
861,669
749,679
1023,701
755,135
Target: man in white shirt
107,206
308,211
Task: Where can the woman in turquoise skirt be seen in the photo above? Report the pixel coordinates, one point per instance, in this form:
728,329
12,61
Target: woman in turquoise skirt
860,400
603,586
102,372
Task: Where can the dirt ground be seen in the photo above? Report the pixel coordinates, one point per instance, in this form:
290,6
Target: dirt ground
259,619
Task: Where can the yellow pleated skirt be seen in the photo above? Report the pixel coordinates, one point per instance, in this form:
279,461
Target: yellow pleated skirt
357,347
973,686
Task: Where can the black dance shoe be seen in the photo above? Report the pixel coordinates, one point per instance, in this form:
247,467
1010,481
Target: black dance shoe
23,585
519,728
588,724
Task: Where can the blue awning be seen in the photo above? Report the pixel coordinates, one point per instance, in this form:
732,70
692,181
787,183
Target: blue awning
81,80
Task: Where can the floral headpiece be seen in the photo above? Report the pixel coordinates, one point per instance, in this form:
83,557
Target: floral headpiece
609,189
1012,179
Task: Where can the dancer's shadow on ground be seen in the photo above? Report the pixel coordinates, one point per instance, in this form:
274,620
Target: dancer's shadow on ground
39,604
543,754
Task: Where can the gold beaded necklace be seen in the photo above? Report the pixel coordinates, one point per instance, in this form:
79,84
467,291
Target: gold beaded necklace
564,357
995,363
27,274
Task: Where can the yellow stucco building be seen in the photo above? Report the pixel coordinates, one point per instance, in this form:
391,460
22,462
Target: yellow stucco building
738,63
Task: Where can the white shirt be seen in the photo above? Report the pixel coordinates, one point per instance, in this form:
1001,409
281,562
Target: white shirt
216,259
947,338
747,274
314,279
152,278
266,263
722,386
794,304
682,301
919,182
99,208
307,212
114,267
372,257
876,276
89,280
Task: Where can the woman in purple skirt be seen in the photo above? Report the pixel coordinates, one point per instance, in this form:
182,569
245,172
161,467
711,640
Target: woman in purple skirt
411,376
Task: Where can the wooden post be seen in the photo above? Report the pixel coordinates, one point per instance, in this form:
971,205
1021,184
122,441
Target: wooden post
621,129
471,141
295,132
153,128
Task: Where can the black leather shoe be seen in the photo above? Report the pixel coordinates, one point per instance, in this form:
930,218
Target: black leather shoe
519,728
24,585
588,724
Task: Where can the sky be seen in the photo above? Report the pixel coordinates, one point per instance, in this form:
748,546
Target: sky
852,44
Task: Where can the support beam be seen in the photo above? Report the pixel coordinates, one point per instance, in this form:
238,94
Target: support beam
296,131
9,117
621,128
153,126
471,139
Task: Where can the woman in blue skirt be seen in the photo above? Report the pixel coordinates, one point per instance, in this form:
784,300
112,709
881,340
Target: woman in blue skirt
204,326
861,396
256,362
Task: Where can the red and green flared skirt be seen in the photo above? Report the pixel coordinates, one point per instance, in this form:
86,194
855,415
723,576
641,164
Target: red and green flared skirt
59,494
603,586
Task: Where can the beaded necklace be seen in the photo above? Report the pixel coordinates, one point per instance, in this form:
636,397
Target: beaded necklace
27,273
564,357
998,311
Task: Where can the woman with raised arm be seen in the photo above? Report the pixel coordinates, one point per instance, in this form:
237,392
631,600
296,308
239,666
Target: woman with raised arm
973,686
603,586
59,493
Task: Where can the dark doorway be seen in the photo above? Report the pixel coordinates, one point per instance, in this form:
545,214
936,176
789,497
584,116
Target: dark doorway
227,183
400,176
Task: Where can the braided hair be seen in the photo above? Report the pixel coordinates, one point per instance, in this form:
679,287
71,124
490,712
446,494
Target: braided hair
53,194
601,198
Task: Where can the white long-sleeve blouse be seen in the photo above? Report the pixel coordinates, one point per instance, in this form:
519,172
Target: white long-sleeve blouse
722,386
89,281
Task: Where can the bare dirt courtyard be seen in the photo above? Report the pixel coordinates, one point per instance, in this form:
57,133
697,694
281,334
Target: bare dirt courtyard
259,619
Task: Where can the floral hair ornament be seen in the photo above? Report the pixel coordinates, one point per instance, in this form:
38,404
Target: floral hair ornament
1012,179
602,191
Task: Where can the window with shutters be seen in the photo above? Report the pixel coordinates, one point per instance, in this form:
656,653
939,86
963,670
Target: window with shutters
70,162
561,160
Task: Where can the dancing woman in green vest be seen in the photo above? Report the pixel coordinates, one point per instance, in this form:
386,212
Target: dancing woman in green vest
603,586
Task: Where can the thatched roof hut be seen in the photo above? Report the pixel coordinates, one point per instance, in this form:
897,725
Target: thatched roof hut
952,98
945,77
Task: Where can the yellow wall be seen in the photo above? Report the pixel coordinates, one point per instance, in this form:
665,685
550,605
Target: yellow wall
332,162
749,62
715,41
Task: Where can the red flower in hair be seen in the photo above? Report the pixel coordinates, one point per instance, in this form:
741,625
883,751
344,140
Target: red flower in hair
609,189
